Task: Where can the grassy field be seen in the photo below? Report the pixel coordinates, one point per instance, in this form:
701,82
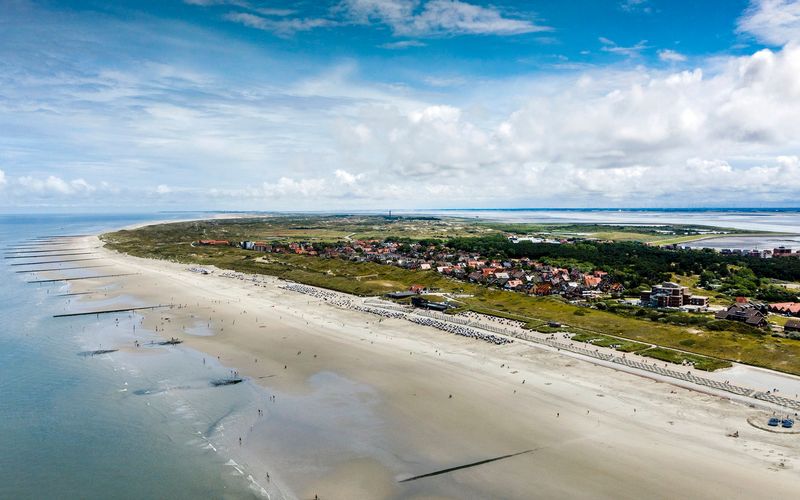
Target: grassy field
778,319
172,242
606,341
672,356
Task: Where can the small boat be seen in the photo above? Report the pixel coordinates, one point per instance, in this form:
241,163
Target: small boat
773,422
788,423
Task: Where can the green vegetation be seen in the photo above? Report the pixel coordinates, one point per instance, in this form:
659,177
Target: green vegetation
673,317
606,341
705,337
699,362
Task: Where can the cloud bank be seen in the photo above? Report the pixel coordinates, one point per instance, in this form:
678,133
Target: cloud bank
710,131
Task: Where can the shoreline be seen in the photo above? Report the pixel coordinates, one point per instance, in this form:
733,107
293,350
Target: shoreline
395,348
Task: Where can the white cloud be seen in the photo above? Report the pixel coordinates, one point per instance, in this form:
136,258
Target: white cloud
2,179
347,178
404,17
723,132
453,16
611,46
389,11
281,26
775,22
403,44
436,17
267,11
439,81
671,56
54,185
636,6
726,133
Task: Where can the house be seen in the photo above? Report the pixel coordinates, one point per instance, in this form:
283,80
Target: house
698,300
616,288
792,328
788,308
592,281
260,246
417,289
745,313
488,271
512,284
475,277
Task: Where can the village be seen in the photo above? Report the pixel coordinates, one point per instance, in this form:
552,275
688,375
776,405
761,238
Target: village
531,277
519,275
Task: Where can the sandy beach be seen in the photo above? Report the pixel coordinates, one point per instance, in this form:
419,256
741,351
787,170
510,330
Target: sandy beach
354,403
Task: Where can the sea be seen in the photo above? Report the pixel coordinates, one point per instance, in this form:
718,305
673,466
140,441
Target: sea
108,426
124,426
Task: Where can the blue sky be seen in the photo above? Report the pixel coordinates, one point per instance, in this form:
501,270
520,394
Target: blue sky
372,104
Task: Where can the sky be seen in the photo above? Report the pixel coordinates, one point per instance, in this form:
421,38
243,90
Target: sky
398,104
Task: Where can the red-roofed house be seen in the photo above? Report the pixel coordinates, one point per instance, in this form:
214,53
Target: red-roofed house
542,289
511,284
592,281
792,308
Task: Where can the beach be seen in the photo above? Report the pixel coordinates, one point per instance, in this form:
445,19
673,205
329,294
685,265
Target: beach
350,403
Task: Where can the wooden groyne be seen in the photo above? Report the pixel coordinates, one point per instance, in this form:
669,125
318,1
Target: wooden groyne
60,269
34,245
110,311
47,251
82,278
64,236
48,255
465,466
52,261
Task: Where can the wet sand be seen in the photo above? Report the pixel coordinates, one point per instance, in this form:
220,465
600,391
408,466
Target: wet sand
361,403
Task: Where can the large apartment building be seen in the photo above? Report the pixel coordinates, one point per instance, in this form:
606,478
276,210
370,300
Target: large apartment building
669,294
